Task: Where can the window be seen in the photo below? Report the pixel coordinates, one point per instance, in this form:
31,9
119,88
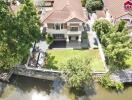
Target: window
73,28
57,26
51,26
58,36
62,26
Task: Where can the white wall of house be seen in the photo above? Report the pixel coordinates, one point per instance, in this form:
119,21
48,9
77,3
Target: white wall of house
72,28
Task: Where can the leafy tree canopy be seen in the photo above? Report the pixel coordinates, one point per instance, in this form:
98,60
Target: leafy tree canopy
93,5
114,39
102,26
17,33
77,72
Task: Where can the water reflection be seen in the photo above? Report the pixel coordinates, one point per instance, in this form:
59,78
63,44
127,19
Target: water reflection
22,88
26,84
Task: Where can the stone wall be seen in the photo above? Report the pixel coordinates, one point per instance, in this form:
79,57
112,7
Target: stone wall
37,73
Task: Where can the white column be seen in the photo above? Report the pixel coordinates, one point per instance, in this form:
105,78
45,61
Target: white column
79,38
67,38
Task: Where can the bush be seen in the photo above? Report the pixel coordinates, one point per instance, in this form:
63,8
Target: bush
49,61
49,39
109,84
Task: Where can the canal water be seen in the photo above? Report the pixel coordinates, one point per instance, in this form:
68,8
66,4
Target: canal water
22,88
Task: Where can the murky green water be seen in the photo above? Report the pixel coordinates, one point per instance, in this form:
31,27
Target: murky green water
21,88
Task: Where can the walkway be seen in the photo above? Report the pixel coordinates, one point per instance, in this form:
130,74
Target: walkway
123,76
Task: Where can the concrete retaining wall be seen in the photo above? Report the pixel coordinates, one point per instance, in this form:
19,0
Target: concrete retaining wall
37,73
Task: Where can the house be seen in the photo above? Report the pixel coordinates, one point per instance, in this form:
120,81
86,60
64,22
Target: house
49,3
128,5
65,21
117,9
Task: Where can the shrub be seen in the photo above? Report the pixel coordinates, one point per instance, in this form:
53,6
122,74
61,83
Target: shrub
49,61
49,39
109,84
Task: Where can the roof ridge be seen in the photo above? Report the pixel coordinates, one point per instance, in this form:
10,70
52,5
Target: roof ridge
49,15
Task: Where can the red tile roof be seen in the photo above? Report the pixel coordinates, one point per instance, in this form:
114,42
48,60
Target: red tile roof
100,13
65,10
116,7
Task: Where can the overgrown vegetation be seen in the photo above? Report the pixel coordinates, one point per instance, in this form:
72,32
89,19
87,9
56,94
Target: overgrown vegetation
77,72
106,82
17,32
114,39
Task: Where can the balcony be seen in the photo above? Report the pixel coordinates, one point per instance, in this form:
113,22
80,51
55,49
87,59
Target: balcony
74,32
54,31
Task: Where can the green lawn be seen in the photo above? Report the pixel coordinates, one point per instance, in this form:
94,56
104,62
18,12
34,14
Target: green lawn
62,55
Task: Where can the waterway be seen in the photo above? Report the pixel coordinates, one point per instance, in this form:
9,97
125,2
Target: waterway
22,88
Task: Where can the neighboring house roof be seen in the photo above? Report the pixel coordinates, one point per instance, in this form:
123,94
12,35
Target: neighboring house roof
116,8
65,10
128,3
100,13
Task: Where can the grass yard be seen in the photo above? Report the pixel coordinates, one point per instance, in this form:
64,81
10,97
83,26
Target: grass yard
62,55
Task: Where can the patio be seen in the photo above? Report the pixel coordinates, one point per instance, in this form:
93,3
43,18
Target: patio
64,44
58,44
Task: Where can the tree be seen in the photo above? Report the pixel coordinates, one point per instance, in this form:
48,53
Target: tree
93,5
8,52
117,49
114,39
77,72
17,34
101,26
28,26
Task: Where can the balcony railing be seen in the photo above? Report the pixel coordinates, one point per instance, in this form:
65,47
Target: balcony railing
62,31
74,32
54,31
